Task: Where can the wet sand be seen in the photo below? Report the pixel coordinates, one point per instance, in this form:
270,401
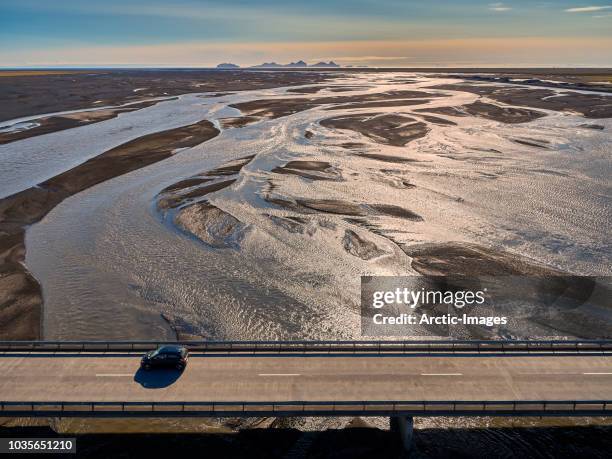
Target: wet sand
192,189
396,130
20,294
48,124
312,170
470,260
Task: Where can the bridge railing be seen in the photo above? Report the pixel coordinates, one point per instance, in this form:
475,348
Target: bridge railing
356,347
310,408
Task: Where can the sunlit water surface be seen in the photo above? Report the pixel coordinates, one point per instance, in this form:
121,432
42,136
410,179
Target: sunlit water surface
110,266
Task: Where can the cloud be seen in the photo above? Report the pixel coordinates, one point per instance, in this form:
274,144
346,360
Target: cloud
498,7
588,9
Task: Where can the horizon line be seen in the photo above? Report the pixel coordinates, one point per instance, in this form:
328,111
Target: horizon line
281,68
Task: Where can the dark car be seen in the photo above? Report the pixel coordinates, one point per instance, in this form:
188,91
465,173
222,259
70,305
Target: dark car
166,357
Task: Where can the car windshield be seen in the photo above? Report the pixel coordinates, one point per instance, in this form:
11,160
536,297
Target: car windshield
168,350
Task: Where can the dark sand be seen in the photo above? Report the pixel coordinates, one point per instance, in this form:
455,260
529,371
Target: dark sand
238,122
578,79
306,90
386,158
456,259
211,225
332,206
438,120
20,294
575,296
316,89
312,170
380,104
269,109
588,105
396,211
596,127
261,109
291,224
338,207
26,95
360,247
57,123
198,217
532,143
396,130
180,197
230,168
33,92
353,145
488,111
190,190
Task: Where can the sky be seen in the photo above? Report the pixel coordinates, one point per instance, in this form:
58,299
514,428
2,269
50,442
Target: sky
376,33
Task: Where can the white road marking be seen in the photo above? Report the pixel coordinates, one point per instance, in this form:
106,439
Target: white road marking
552,373
279,374
441,374
111,375
597,373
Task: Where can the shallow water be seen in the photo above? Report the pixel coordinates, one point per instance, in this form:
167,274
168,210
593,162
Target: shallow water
109,264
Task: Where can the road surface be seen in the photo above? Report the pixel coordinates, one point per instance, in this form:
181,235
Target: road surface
100,378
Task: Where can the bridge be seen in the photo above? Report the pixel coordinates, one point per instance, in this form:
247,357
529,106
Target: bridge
399,379
331,378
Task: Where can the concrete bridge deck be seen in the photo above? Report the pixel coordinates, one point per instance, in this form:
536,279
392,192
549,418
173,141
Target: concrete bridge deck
108,384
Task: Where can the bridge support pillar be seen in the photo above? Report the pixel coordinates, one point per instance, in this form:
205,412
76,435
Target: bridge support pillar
403,426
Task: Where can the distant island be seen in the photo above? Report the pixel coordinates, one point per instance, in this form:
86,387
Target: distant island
298,64
274,65
325,64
